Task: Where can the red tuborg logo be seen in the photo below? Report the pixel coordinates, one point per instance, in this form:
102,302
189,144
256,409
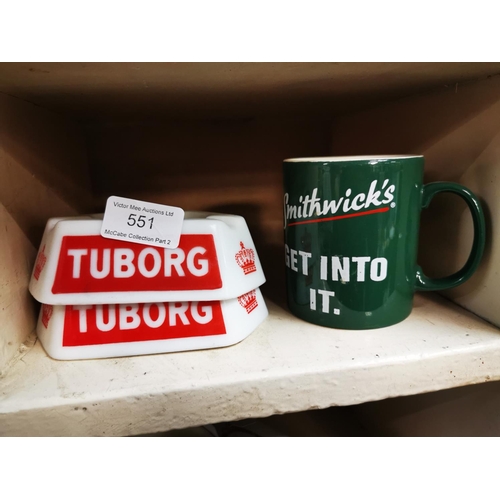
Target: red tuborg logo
248,301
47,311
245,258
40,263
96,264
112,324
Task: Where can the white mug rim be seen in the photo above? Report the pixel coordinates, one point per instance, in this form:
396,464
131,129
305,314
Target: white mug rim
324,159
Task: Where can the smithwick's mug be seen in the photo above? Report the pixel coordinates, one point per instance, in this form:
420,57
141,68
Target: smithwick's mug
351,236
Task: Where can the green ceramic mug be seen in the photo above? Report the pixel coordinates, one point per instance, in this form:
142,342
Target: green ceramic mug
351,237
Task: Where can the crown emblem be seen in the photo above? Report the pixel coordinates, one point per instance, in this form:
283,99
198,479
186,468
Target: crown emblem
248,301
245,258
47,311
40,263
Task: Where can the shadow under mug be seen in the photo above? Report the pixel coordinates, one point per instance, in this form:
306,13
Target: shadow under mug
351,229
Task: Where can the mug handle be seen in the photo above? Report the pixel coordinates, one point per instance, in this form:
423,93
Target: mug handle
424,283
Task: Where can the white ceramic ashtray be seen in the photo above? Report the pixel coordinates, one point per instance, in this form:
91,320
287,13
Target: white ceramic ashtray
215,260
106,331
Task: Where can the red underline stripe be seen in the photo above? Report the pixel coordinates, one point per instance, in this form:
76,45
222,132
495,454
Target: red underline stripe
337,217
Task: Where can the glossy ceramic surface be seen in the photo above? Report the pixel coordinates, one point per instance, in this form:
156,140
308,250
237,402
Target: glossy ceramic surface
351,237
216,260
104,331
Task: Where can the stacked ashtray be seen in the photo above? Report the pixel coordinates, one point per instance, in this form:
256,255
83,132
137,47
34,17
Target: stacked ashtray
105,298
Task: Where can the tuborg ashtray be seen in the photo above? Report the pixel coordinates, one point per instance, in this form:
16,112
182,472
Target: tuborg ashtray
103,331
215,260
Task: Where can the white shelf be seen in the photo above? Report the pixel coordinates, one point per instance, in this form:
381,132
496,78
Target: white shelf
286,365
